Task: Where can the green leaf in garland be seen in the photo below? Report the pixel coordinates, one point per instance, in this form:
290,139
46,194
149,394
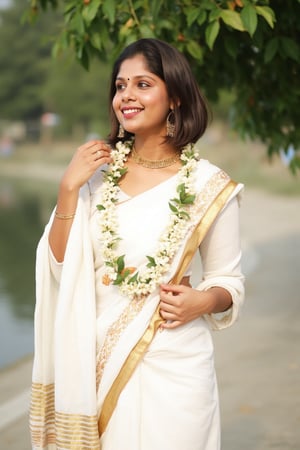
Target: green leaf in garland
151,262
134,278
100,207
189,199
183,215
173,208
120,263
109,264
123,171
118,280
180,188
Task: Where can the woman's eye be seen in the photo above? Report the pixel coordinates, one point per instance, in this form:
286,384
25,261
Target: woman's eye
143,84
120,87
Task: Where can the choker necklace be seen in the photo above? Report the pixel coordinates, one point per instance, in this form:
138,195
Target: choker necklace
154,164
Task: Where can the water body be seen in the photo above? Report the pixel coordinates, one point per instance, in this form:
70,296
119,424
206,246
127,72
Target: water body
24,209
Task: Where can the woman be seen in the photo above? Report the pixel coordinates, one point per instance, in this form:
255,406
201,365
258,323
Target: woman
123,351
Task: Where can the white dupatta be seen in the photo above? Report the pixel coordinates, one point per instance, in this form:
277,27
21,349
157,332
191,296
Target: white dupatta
63,411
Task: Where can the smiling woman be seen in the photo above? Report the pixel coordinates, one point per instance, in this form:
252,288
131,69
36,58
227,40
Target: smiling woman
114,266
141,102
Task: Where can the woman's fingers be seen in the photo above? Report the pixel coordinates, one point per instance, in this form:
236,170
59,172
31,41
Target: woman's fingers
86,160
96,151
180,304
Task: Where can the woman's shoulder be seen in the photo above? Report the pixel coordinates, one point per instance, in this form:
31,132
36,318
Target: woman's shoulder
205,164
211,177
206,170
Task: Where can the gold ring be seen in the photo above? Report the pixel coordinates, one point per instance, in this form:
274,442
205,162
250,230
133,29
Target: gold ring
98,154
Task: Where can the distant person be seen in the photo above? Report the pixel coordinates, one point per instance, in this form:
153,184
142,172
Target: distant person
123,351
6,146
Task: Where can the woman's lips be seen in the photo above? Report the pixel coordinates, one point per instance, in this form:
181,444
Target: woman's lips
130,112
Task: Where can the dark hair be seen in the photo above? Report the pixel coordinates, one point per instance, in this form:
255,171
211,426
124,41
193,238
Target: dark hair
166,62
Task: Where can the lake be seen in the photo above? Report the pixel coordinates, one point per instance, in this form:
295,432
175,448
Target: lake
25,207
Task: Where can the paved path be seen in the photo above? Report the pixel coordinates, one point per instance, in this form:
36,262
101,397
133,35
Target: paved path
258,360
14,400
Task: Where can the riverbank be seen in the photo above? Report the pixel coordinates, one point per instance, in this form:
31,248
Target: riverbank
257,360
14,403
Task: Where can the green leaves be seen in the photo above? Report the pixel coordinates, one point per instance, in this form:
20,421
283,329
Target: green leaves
211,33
109,9
247,46
267,13
120,263
178,205
121,273
285,46
249,18
195,50
115,177
290,48
233,19
90,10
271,49
151,262
184,197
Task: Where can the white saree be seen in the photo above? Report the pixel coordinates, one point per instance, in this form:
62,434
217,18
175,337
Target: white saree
84,331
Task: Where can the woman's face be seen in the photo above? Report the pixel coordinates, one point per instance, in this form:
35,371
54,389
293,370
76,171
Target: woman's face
141,102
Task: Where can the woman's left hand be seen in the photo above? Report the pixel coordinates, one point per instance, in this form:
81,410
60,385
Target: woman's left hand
180,304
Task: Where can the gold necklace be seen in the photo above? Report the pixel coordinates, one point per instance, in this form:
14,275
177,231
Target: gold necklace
152,163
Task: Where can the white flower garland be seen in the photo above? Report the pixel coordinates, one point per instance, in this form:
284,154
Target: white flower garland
131,283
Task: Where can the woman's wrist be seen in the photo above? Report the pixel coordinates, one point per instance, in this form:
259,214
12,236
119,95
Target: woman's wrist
68,187
63,216
218,300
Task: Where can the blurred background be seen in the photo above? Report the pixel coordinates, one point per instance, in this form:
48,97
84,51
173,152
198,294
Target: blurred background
48,107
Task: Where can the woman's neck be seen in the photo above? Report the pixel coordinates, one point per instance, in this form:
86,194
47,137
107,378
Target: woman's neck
153,148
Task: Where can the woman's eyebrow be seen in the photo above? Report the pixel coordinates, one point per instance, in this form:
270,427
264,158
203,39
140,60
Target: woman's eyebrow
135,77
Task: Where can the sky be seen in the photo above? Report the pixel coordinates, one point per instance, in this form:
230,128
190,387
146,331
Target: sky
4,3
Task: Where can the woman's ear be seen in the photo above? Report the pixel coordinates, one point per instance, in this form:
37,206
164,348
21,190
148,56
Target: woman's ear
174,104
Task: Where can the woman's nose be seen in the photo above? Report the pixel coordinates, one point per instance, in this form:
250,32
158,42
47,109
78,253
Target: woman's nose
128,94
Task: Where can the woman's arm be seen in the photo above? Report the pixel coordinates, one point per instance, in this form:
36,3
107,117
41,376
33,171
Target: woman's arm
222,279
86,160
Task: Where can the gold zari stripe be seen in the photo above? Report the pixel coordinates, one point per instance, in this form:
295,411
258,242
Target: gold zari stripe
64,431
140,348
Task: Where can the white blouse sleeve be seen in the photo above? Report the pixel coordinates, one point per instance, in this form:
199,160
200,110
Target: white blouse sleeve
221,262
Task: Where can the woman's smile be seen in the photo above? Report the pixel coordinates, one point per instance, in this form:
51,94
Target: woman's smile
129,113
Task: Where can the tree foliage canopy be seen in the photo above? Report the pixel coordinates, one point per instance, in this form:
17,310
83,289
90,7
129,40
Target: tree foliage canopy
251,47
32,82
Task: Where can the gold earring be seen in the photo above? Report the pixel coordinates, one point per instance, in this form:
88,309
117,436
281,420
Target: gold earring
121,132
171,125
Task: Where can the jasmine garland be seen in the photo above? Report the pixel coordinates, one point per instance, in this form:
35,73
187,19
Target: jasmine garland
131,282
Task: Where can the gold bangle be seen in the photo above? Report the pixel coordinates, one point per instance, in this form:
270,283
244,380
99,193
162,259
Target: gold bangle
64,216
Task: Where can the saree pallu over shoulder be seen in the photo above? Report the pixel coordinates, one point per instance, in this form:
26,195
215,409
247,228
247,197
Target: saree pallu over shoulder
63,411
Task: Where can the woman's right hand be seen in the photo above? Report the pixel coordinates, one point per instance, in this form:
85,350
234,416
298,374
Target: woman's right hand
86,160
83,165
